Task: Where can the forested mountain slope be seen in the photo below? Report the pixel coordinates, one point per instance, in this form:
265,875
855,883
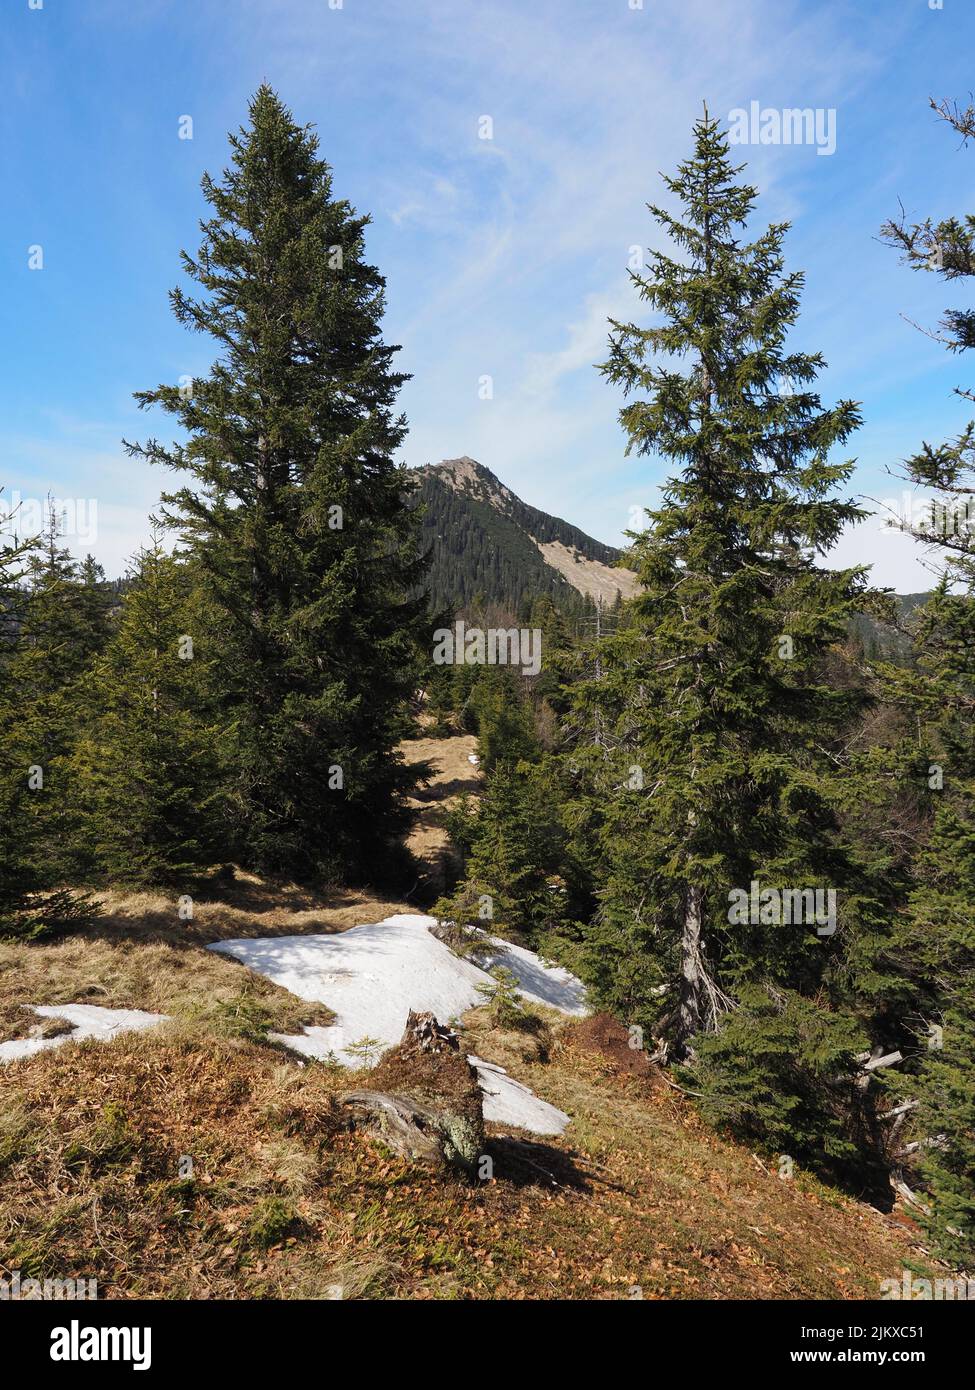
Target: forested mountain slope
489,546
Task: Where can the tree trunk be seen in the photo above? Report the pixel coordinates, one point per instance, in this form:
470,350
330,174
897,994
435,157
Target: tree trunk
427,1105
691,969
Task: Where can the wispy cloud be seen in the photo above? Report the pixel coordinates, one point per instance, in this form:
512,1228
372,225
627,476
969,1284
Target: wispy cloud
505,256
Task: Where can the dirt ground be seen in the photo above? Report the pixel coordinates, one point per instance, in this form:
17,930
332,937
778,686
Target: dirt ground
453,775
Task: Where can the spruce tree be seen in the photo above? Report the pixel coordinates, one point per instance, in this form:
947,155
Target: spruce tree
936,940
516,854
937,694
29,903
149,768
64,624
13,775
717,759
297,514
505,727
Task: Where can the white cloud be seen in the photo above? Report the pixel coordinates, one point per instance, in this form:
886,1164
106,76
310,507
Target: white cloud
506,257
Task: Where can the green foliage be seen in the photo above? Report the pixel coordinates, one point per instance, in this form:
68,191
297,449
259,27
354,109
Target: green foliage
242,1017
296,516
778,1073
62,623
503,1001
710,738
516,861
505,729
715,694
148,766
49,623
365,1050
274,1219
935,945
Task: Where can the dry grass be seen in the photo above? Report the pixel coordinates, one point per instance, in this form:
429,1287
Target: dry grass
453,775
142,955
18,1021
283,1202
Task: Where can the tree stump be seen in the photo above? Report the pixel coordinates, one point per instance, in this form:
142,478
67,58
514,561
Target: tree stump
427,1103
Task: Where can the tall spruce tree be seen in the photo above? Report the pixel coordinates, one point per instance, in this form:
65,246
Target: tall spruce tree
14,885
297,514
515,854
64,624
717,762
505,728
937,939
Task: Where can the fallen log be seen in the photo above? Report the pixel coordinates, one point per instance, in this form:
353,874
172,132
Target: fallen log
898,1110
889,1060
901,1187
935,1141
875,1061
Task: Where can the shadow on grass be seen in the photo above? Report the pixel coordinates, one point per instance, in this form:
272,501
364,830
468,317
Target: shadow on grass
527,1164
224,907
439,791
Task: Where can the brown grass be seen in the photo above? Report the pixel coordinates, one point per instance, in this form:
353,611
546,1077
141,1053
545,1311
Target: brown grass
452,776
283,1202
18,1021
141,955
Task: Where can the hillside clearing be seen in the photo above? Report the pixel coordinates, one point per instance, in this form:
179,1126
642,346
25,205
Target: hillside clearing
283,1203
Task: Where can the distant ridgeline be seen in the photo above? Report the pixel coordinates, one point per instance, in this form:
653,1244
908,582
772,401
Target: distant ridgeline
489,547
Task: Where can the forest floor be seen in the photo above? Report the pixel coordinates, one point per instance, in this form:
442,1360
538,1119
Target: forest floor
637,1199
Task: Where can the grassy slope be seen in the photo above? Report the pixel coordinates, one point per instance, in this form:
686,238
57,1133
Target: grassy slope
284,1203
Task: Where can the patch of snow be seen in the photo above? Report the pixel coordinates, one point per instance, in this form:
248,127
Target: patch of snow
369,976
539,982
508,1102
88,1021
372,976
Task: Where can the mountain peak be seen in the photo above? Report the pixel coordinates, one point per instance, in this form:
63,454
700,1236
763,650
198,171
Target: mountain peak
465,474
489,545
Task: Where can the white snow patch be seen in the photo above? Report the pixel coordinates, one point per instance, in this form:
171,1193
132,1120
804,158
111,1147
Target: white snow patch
372,976
538,982
89,1022
508,1102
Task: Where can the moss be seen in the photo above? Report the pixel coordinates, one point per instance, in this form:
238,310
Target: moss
108,1143
273,1221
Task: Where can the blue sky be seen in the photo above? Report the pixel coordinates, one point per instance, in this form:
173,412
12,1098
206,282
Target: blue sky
503,257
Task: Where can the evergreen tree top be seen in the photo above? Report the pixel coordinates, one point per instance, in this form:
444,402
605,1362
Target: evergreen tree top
296,310
721,392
